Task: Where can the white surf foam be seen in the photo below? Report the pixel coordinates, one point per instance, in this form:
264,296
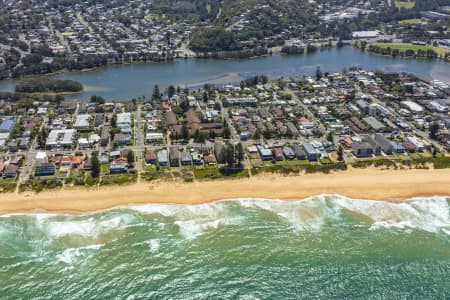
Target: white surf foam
154,245
193,220
86,227
70,255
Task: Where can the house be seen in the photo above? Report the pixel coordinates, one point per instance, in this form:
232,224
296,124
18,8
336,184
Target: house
299,152
376,149
10,171
385,144
197,159
12,146
104,136
44,169
210,160
278,154
150,157
362,149
8,125
288,152
124,122
265,153
154,138
375,124
118,167
244,135
292,129
416,142
16,160
98,119
312,154
163,159
82,121
174,156
122,139
186,158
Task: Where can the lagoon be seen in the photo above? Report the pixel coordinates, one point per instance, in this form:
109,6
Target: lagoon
124,82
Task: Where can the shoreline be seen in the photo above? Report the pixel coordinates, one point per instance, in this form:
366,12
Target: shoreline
361,184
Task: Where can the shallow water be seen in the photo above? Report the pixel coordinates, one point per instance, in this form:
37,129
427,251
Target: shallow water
323,247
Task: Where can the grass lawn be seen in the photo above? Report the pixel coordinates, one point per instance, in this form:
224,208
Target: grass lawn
119,179
408,4
415,48
410,21
207,172
104,169
293,162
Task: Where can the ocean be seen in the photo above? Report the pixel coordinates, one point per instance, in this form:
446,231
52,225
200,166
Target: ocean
324,247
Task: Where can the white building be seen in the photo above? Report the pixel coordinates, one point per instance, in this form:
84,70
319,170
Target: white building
420,146
154,138
412,106
124,122
82,121
365,34
60,138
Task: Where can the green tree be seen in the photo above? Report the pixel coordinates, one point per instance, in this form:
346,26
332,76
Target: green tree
171,91
340,153
156,95
239,153
226,133
434,129
185,132
130,156
95,171
318,73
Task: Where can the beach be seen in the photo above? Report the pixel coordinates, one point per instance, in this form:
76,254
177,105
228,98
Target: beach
369,183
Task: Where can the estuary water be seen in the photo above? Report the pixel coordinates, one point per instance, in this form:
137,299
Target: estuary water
325,247
124,82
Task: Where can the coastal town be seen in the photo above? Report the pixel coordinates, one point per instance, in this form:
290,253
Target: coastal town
310,124
42,37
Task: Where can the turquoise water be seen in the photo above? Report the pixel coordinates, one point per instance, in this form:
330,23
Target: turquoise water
124,82
324,247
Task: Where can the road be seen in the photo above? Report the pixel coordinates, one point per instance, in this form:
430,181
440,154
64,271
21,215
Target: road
139,146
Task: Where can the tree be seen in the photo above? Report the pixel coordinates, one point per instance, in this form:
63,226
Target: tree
130,156
229,155
434,129
330,136
156,95
170,91
340,153
97,99
95,171
42,136
185,132
114,121
239,153
318,73
226,133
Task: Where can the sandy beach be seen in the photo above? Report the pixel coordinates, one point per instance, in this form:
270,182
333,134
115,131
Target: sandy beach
355,183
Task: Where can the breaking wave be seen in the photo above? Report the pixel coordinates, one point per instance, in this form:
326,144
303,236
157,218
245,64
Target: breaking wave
311,214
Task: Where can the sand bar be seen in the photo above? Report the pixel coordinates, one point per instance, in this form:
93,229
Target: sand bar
355,183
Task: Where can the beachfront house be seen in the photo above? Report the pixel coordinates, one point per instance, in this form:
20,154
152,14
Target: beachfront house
312,154
174,156
44,169
163,159
362,149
